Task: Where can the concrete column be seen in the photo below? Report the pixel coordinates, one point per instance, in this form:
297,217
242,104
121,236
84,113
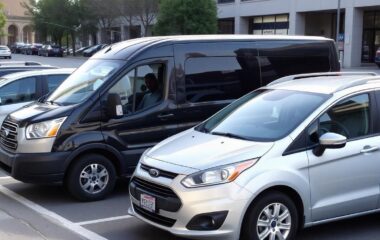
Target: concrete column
353,37
296,23
20,35
241,25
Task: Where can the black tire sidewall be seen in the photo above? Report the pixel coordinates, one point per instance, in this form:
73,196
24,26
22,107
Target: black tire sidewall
72,179
249,224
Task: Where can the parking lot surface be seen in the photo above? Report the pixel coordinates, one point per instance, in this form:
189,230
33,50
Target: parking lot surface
30,211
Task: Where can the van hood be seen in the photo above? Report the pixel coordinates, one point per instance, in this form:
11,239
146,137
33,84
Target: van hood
201,151
38,112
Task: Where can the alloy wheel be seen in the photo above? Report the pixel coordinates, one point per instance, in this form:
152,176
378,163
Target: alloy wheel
94,178
274,222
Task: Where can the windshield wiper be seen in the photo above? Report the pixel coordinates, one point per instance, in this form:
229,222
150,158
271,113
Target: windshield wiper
230,135
53,103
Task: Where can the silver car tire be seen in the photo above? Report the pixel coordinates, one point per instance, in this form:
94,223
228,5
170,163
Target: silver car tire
273,216
91,177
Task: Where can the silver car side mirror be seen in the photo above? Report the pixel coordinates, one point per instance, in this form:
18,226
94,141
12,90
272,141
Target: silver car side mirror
329,141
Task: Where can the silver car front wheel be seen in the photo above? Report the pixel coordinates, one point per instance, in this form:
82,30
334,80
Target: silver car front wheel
274,222
272,216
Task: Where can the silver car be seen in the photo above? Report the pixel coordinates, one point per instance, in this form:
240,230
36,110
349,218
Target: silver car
22,88
301,151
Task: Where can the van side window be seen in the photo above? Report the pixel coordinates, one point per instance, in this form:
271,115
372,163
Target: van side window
140,88
279,59
23,90
350,118
220,78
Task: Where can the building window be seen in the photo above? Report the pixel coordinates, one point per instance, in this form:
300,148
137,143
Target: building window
226,1
226,26
371,35
267,25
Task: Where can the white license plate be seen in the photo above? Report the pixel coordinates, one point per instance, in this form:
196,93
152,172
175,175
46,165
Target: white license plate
148,202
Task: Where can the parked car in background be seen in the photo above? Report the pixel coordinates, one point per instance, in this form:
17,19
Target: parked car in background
5,52
296,153
108,112
92,50
16,48
24,49
13,67
50,50
377,57
19,89
80,50
34,48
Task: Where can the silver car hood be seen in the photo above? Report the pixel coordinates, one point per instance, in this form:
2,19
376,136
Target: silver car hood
201,151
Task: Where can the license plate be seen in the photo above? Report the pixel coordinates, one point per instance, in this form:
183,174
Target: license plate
148,202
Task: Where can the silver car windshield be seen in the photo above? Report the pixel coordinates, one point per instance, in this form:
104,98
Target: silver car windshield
263,115
80,85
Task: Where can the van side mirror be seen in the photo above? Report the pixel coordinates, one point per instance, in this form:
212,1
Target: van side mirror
114,107
329,141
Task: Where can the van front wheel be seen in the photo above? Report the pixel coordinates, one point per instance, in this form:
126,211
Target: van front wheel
272,216
92,177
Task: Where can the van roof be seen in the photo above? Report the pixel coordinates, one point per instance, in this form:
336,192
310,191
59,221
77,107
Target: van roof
127,49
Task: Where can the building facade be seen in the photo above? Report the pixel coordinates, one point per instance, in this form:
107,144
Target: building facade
19,26
359,34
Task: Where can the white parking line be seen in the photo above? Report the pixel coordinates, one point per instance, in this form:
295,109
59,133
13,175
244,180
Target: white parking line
6,177
104,220
55,218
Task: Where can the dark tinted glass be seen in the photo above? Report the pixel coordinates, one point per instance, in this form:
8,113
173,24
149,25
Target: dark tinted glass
220,78
350,118
283,58
23,90
54,81
263,115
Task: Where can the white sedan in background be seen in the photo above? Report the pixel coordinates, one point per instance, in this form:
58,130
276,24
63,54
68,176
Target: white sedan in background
5,52
19,89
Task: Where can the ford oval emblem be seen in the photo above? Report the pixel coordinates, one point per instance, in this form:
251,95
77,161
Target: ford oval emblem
5,133
154,172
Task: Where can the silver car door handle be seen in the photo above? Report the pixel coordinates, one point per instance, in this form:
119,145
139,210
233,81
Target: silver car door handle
368,149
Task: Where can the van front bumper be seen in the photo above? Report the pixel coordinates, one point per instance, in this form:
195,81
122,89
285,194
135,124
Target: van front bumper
229,201
34,167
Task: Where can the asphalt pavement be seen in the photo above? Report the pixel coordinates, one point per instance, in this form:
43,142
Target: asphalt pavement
29,212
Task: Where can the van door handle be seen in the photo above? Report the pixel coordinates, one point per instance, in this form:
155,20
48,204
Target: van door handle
164,116
367,149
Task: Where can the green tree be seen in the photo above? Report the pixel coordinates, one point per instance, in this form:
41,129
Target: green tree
186,17
3,20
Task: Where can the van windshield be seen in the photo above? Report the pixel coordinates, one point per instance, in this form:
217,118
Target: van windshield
263,115
80,85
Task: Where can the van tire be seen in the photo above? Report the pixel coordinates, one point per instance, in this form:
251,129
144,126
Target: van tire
255,212
92,177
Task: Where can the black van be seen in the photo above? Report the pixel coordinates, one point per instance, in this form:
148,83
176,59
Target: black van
131,95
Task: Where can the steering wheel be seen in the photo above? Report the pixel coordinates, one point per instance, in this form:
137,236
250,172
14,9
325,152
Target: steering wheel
333,126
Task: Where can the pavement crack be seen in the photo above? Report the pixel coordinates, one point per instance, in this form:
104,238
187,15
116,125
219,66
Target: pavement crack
24,222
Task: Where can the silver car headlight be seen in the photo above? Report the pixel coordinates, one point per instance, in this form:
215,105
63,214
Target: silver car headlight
217,175
45,129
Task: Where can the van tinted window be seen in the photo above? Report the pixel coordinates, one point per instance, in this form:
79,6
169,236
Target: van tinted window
220,78
283,58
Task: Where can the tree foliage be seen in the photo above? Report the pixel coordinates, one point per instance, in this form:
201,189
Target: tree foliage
186,17
3,19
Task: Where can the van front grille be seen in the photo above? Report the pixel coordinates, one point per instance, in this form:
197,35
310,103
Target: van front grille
8,135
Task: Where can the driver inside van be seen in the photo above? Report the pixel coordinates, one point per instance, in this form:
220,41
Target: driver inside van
154,94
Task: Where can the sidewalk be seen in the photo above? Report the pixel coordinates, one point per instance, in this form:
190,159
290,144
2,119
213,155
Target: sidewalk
17,222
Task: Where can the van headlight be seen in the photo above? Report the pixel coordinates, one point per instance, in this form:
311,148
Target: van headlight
217,175
45,129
